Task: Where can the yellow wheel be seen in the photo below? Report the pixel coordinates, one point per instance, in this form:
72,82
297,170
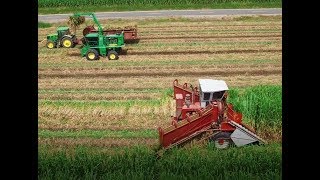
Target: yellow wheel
92,54
67,42
50,45
113,55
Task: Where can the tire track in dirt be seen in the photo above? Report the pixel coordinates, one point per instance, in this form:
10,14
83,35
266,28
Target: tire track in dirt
131,51
163,74
134,83
210,27
208,30
202,52
156,68
213,37
204,26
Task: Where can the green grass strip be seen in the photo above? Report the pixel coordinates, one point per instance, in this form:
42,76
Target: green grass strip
70,6
103,103
66,91
262,104
43,133
43,25
139,162
80,103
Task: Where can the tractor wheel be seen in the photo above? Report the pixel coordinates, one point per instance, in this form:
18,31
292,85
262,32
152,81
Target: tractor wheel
92,54
83,40
67,42
221,140
113,55
51,45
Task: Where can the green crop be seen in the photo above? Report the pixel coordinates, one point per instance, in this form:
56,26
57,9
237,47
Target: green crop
43,25
259,104
70,3
70,6
251,162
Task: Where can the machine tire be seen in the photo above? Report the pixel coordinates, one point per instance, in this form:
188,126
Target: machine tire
222,140
51,45
92,54
119,50
75,41
67,42
113,55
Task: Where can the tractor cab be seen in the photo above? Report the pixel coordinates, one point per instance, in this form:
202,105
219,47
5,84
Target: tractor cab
211,90
115,39
61,31
63,38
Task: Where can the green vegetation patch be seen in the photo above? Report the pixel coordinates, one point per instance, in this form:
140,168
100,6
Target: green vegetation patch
63,6
147,133
250,162
261,104
43,25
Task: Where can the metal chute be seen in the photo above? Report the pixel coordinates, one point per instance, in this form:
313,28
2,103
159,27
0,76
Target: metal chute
242,136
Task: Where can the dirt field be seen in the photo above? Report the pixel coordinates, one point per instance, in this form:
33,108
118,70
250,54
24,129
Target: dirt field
131,93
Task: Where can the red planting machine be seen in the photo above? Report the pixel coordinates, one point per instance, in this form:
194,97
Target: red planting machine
204,114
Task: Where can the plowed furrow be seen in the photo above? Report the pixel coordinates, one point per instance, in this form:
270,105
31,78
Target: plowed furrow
203,52
211,37
162,74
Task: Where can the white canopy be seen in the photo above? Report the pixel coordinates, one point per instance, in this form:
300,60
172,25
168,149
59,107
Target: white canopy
212,85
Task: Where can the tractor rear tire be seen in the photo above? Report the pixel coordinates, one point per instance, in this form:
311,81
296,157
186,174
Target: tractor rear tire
113,55
67,42
83,40
222,140
51,45
92,54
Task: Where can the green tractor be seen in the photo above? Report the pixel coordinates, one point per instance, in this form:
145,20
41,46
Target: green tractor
97,44
63,38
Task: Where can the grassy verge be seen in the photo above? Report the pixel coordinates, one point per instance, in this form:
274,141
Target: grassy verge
52,7
43,25
42,133
251,162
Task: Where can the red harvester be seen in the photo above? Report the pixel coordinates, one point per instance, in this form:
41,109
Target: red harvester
204,114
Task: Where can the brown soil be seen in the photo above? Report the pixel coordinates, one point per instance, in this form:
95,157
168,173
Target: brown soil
205,52
211,37
162,74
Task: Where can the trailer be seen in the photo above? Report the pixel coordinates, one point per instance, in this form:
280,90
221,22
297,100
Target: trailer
130,33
